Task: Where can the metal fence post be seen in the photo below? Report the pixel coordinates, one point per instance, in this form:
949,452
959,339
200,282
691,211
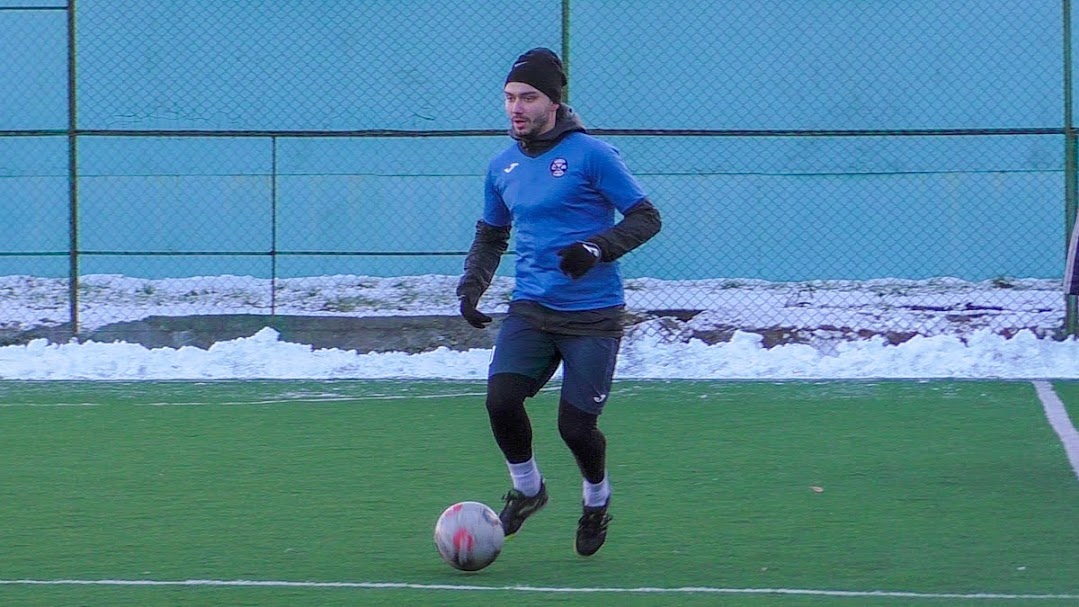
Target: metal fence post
565,45
273,226
1070,169
73,174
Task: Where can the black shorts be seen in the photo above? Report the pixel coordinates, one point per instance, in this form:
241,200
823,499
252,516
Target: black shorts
588,361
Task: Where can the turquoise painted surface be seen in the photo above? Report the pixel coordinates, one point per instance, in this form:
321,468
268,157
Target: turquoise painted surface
326,65
819,64
33,69
33,194
773,208
20,4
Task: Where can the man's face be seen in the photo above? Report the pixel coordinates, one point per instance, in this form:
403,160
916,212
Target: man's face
530,111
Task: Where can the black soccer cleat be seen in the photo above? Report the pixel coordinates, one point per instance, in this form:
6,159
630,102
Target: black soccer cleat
519,507
592,529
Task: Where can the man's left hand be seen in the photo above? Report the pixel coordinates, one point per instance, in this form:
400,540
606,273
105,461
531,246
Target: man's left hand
578,258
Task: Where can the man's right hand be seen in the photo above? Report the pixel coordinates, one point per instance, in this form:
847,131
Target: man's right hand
472,315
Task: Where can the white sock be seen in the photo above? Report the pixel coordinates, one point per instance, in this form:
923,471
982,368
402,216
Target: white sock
526,477
598,494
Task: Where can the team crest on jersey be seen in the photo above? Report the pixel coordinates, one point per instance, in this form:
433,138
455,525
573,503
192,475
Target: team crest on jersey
558,167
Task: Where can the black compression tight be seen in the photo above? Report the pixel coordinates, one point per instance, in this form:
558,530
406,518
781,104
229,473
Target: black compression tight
506,394
579,430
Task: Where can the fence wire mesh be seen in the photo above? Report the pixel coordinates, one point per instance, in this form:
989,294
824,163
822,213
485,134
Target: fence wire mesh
824,168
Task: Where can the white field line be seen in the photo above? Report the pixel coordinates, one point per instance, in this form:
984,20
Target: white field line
547,589
275,401
49,404
1059,420
301,400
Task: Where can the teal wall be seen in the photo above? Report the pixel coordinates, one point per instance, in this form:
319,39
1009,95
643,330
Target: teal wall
776,208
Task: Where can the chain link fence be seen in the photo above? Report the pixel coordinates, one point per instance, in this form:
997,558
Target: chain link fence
824,168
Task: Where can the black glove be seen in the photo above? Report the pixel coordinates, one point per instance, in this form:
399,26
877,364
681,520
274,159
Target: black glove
578,258
472,315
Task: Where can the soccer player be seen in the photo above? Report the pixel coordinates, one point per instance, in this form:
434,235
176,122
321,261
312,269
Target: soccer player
559,187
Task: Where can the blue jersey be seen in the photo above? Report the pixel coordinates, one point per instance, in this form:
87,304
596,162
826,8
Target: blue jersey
565,195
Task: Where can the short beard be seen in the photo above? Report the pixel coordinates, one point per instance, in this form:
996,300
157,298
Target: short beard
537,127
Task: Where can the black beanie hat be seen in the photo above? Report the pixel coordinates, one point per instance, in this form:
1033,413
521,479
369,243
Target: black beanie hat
541,68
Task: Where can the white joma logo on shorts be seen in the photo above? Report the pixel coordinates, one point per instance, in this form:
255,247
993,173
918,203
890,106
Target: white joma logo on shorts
600,398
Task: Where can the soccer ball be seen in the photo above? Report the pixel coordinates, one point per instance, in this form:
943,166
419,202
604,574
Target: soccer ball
469,536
